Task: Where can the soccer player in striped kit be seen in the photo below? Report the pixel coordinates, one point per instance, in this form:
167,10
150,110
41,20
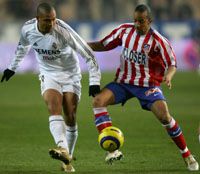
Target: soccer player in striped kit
147,59
55,44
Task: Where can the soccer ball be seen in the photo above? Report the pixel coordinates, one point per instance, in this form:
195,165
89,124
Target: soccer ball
111,138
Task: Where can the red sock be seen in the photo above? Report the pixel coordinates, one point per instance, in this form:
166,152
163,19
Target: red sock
102,119
176,134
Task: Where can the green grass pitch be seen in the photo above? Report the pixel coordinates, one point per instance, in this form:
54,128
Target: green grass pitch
25,137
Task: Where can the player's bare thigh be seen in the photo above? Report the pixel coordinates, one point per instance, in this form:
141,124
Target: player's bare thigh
104,98
70,103
160,110
53,100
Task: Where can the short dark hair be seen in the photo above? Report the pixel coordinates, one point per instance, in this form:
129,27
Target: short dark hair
142,8
44,8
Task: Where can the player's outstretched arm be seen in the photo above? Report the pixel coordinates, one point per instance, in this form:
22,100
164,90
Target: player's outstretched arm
7,74
21,50
97,46
81,47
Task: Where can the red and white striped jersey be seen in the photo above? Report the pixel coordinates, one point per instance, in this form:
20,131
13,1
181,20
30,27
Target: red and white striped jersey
144,58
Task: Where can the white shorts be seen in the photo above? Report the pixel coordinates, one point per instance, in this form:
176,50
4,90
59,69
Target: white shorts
47,82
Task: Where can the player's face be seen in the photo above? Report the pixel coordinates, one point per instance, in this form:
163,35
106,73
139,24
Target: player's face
142,22
46,21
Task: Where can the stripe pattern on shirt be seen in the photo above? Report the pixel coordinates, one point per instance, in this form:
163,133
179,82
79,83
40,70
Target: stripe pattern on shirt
144,58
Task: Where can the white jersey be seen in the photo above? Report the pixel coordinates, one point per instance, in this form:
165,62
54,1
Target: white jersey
56,52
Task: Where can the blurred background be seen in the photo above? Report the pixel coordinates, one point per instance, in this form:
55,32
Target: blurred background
24,131
178,20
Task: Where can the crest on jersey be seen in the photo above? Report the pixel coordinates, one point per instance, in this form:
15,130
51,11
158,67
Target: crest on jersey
146,47
54,45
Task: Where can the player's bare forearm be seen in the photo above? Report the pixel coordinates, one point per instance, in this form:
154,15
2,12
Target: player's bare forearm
171,71
169,75
97,46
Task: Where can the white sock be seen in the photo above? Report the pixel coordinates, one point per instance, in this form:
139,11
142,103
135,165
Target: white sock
170,124
71,136
57,129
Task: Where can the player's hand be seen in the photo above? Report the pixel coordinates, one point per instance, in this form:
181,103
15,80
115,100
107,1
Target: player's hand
93,90
7,74
169,75
167,80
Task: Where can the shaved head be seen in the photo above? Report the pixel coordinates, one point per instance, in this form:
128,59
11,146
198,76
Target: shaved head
46,17
44,8
142,8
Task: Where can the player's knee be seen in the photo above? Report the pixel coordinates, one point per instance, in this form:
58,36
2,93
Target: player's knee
54,108
98,102
165,117
70,119
161,111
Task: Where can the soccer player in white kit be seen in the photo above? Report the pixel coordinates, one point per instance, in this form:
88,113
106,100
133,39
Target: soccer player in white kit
55,44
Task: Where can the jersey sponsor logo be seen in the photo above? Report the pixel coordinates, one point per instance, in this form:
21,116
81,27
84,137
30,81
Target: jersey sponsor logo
47,52
153,91
134,56
51,58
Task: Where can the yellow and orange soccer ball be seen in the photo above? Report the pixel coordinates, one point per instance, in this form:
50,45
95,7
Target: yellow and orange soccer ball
111,139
